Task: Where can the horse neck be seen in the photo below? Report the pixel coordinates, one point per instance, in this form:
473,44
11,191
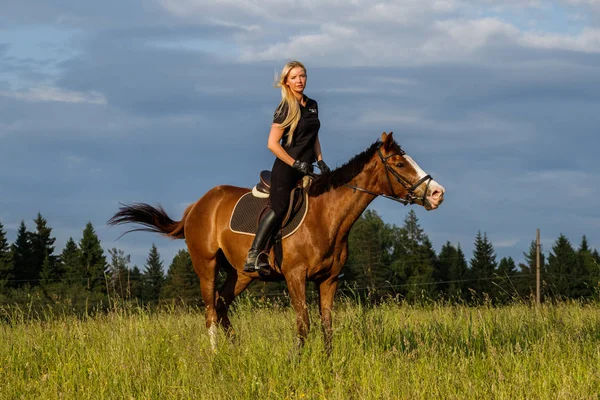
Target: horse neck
341,207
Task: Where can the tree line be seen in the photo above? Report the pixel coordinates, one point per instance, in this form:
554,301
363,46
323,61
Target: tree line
400,261
384,261
83,275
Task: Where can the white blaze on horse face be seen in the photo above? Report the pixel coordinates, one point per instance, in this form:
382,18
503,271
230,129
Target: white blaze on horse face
416,167
434,188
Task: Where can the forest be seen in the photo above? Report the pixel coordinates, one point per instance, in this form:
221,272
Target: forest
385,261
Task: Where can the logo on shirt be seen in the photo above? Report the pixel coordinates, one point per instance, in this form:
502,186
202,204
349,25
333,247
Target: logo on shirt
312,109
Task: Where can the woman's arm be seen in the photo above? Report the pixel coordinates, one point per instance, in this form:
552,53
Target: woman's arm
273,144
318,149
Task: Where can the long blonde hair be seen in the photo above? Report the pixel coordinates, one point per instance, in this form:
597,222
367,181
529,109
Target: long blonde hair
288,100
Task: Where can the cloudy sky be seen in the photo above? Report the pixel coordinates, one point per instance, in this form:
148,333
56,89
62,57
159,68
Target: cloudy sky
160,100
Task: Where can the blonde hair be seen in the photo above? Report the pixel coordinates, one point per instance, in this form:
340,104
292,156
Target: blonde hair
288,100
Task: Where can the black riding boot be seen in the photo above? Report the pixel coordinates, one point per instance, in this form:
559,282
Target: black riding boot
257,259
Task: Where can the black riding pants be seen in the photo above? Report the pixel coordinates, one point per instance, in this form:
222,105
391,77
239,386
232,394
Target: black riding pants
283,180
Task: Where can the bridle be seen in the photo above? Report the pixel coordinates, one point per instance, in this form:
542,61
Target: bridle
410,197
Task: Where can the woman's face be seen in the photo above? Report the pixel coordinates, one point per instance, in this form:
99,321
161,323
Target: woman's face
296,80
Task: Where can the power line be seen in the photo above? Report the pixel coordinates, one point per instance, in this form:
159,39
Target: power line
428,283
188,274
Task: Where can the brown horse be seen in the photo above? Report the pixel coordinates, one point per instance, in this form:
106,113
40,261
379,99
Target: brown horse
317,251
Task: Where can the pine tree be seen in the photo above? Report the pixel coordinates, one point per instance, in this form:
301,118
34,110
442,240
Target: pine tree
596,272
446,258
507,276
153,276
22,252
458,276
70,260
412,233
596,256
561,277
118,270
422,282
135,284
42,245
182,281
507,267
92,260
587,269
6,262
47,276
369,247
415,259
483,266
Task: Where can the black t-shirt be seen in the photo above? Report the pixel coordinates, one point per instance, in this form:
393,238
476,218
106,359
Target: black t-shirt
303,141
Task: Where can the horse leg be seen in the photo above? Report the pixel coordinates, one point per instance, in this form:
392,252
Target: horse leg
234,285
207,272
327,290
297,286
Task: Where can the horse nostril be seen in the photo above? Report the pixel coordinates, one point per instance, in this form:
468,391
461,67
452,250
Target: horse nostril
436,194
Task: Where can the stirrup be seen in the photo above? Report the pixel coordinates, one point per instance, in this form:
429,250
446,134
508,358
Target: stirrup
258,263
250,265
262,263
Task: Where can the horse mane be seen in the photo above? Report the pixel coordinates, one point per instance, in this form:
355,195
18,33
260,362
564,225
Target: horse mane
344,174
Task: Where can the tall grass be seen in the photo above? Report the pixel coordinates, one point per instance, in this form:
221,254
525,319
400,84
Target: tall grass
386,352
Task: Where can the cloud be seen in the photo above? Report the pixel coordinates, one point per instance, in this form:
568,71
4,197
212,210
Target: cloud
585,2
496,101
574,184
73,13
332,39
587,41
477,130
55,94
73,161
504,242
382,33
467,35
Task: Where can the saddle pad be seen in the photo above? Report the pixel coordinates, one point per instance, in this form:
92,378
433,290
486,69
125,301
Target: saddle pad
244,218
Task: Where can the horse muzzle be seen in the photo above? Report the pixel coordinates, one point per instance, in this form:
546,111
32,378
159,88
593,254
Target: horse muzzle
434,196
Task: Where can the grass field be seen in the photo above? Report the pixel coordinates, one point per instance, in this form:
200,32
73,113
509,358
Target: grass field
390,351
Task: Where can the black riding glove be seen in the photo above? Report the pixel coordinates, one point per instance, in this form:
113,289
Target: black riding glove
323,167
302,166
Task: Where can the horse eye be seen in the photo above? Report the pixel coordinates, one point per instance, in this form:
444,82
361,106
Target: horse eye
400,165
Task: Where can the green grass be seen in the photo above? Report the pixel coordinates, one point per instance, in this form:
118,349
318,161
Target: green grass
387,352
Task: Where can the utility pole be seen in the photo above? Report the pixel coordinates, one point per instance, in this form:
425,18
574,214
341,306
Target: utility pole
538,297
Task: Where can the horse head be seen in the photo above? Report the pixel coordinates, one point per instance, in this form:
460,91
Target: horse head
402,179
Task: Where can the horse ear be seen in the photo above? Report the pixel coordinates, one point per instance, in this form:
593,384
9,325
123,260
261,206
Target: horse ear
387,140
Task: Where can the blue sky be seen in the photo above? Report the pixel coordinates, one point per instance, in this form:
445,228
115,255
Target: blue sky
159,101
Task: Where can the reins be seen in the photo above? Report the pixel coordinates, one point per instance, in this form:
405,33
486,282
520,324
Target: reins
410,197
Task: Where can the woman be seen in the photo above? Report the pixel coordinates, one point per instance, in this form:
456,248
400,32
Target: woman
294,141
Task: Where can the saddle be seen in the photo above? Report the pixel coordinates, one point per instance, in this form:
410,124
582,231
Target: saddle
263,188
250,208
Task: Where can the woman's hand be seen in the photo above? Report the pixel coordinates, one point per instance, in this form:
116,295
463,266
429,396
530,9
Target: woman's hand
323,167
302,166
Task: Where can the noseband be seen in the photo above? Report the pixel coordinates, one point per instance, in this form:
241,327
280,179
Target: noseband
411,196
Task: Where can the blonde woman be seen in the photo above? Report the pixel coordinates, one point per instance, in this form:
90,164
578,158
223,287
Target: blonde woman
295,142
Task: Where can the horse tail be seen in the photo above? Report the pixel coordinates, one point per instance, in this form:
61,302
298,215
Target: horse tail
153,219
